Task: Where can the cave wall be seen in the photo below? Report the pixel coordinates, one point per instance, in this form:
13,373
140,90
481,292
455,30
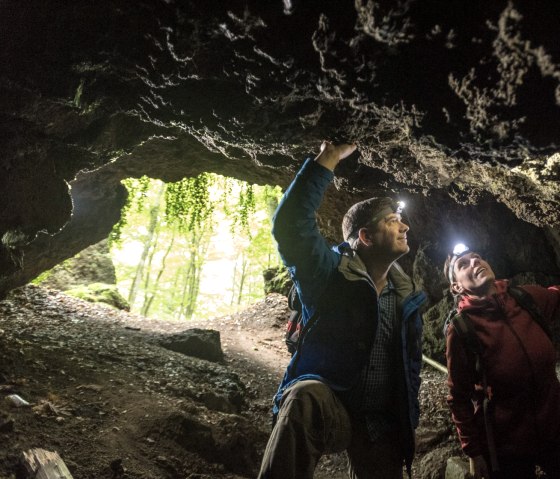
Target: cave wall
92,265
455,106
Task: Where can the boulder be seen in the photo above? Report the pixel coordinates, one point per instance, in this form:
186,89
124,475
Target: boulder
457,468
200,343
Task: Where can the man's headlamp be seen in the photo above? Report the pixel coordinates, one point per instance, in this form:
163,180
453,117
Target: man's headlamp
396,207
459,250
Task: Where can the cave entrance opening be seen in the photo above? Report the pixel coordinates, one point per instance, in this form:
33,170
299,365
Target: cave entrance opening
193,249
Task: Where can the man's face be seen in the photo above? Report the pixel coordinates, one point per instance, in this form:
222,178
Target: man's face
389,235
473,275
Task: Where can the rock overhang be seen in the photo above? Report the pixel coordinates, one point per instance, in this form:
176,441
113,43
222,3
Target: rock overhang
454,106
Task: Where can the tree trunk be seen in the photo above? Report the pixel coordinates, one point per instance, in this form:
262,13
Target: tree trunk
154,214
244,263
148,268
233,283
188,274
191,288
149,298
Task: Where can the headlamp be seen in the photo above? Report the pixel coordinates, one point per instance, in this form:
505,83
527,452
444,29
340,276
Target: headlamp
459,250
396,207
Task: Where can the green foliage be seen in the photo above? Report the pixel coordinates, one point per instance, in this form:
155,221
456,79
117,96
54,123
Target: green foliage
245,207
137,189
250,198
42,277
178,236
277,280
187,202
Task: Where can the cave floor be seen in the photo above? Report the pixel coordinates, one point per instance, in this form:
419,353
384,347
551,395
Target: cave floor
104,395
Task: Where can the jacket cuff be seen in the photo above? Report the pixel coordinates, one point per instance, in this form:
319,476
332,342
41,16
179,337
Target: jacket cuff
312,168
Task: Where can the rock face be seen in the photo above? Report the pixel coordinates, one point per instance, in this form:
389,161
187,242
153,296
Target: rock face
454,108
92,265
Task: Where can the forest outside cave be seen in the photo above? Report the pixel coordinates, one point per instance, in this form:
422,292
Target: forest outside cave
189,250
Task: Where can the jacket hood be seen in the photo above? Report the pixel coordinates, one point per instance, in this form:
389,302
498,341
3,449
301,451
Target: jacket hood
489,304
403,283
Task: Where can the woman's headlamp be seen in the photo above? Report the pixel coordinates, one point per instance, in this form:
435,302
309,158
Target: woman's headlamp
459,250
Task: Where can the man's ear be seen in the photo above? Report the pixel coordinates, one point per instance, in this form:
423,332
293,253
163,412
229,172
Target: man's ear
456,288
365,236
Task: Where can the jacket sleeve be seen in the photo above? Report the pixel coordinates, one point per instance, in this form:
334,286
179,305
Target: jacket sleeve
302,247
461,383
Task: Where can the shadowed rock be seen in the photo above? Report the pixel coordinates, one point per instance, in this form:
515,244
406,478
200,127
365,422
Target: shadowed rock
455,109
200,343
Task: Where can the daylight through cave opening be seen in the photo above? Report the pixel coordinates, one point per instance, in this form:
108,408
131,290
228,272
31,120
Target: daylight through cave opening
193,249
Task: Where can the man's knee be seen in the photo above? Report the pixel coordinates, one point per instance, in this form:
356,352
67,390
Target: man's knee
304,400
309,390
314,406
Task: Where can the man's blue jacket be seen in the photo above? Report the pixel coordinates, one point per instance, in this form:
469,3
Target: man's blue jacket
337,292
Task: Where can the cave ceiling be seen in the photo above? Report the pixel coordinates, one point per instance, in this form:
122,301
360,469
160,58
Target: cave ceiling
454,105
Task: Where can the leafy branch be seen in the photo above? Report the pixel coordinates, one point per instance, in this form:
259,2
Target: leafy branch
187,202
137,189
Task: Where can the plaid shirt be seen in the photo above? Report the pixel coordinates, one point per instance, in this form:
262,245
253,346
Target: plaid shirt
373,396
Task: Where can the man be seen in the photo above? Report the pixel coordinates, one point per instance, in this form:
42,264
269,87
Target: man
515,375
353,382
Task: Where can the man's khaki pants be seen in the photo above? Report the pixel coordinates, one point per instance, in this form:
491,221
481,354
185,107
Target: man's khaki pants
312,421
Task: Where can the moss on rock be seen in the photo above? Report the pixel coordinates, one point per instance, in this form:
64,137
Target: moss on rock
277,280
100,293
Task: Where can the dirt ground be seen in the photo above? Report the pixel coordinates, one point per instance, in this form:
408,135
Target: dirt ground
115,404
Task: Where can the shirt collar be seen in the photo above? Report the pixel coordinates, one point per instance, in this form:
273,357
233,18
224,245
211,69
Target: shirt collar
389,288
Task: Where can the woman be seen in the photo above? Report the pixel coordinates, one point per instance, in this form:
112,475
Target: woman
516,377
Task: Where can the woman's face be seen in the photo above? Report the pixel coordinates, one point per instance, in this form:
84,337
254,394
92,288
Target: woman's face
473,275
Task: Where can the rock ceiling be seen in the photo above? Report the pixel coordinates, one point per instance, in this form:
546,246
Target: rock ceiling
454,105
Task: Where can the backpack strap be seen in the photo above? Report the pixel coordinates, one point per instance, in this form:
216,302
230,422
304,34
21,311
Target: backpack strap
296,330
526,301
294,323
294,303
465,330
293,330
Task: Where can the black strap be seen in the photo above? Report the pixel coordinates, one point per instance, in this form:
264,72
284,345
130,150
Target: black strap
526,301
292,331
465,330
489,426
294,303
310,322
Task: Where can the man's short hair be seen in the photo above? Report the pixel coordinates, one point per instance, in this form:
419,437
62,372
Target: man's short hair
361,215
